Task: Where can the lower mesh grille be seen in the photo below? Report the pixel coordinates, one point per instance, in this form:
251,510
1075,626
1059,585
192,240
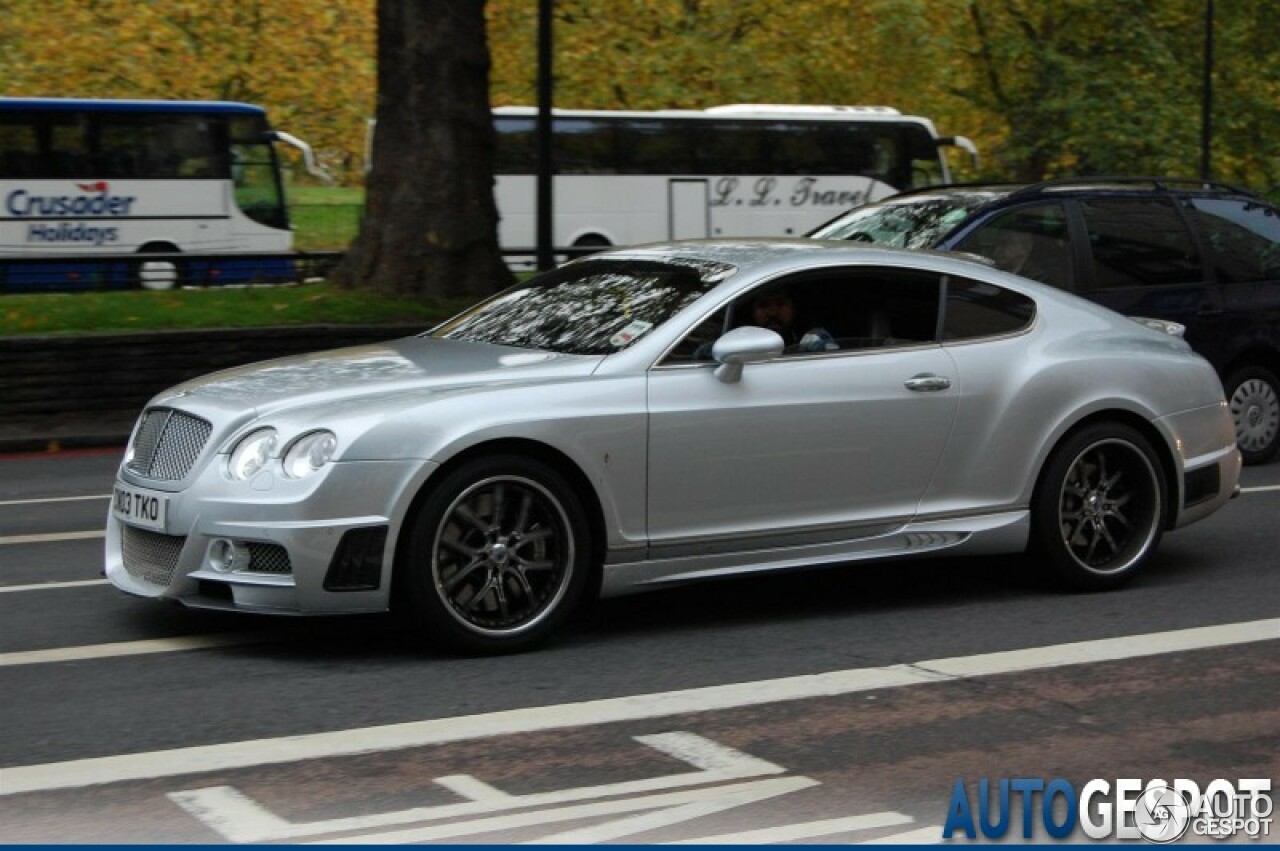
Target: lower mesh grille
150,556
269,558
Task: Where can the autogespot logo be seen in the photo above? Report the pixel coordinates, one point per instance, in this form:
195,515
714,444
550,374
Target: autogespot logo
1127,808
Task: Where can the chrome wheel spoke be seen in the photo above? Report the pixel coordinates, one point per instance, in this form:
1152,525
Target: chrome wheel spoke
469,517
479,597
453,581
533,537
523,582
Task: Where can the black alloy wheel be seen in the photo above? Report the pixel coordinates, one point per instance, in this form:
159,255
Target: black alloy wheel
1098,511
500,554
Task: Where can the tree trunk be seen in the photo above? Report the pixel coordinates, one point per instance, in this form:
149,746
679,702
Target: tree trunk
430,226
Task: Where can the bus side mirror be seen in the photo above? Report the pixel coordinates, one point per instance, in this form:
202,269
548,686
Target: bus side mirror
964,143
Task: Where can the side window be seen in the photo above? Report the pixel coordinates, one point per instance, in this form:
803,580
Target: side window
516,151
585,146
1139,242
19,146
1028,241
838,310
696,347
1243,238
976,309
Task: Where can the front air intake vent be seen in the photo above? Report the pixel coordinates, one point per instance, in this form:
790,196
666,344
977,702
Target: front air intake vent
167,444
150,556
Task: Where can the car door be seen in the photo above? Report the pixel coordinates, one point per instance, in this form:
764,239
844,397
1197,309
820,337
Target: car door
820,444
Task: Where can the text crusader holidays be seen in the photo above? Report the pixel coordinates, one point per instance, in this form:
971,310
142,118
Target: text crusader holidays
1158,811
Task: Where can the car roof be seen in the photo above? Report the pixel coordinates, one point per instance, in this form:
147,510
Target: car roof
757,252
1108,185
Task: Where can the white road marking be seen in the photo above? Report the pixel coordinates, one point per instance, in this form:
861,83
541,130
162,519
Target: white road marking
708,755
241,819
233,755
122,648
52,537
48,499
804,830
466,786
1260,489
48,586
688,801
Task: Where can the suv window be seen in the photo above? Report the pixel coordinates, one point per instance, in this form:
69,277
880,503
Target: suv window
1029,241
1139,242
1243,238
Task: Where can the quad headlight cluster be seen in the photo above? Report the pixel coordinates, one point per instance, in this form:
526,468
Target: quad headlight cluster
304,456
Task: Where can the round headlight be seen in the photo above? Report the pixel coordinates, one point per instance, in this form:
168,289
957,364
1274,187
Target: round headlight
309,453
252,453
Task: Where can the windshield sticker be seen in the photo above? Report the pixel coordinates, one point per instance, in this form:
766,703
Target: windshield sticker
628,335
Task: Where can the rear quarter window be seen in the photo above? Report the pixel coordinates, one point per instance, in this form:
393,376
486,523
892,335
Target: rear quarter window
976,309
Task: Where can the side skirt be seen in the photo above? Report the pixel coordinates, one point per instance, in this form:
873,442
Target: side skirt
988,534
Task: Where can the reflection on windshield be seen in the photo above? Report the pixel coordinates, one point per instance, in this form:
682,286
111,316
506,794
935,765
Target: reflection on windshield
917,222
591,307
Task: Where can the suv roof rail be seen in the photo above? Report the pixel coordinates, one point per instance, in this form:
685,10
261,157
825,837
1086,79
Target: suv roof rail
1161,184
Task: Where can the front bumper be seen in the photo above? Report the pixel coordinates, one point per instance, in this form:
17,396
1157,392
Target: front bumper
292,539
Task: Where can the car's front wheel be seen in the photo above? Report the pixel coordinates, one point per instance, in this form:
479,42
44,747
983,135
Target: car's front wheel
1097,514
498,555
1253,394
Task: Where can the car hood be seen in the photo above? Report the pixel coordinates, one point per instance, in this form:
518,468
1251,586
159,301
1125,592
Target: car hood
399,372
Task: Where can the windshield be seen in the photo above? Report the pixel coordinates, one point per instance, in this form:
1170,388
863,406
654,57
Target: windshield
915,221
591,307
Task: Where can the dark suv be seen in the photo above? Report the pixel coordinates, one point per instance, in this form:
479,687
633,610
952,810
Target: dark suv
1205,255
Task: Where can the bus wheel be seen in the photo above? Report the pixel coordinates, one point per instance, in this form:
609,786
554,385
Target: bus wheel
157,274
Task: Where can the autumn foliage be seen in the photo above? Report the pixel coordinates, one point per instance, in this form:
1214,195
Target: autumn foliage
1056,88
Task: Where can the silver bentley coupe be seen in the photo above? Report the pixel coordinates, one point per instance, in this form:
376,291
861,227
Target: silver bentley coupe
668,413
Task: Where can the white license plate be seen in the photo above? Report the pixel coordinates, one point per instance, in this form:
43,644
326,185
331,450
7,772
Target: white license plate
139,507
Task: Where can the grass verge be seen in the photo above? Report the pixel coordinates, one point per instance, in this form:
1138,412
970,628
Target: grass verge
217,307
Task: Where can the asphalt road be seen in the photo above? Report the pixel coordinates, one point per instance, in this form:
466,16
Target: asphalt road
113,730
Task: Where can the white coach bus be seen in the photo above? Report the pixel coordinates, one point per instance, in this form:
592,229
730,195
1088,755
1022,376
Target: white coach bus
82,177
628,177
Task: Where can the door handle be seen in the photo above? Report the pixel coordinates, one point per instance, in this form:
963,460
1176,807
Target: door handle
927,383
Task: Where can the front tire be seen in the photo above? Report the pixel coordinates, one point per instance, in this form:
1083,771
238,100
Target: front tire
1253,394
499,555
1098,510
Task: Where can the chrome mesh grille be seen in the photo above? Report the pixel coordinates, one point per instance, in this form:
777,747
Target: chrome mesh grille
269,558
167,444
150,556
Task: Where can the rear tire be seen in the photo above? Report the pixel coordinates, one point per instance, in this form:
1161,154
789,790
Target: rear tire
1253,394
1098,510
157,275
498,556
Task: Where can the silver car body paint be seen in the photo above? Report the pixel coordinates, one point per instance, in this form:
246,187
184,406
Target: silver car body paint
806,460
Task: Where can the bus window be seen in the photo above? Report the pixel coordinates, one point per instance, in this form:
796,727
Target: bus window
516,146
68,146
19,148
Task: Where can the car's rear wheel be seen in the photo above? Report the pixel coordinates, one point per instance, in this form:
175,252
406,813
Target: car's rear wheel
1253,394
1097,514
498,556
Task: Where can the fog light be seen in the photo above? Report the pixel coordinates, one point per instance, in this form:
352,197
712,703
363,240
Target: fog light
226,556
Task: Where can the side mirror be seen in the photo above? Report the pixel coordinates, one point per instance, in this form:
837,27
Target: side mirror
748,344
